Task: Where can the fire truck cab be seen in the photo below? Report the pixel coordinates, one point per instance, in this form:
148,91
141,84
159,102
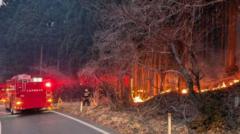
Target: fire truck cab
24,92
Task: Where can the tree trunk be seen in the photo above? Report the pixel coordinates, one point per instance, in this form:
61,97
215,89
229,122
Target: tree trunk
231,66
184,71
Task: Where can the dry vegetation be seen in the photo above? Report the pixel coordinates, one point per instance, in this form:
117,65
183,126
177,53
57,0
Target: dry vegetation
125,122
218,116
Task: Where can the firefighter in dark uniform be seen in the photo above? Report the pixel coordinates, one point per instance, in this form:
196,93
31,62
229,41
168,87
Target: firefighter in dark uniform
86,97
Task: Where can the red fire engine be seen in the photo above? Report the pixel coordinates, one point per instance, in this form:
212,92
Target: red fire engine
24,92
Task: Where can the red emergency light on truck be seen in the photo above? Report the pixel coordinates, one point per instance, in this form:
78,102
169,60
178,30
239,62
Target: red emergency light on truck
25,92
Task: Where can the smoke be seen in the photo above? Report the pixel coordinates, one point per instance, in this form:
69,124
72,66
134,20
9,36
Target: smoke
87,75
60,79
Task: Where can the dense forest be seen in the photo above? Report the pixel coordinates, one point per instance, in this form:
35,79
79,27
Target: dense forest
62,30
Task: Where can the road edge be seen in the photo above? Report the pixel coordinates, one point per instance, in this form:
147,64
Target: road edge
82,122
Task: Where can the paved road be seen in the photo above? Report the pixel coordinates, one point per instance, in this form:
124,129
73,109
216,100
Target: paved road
45,123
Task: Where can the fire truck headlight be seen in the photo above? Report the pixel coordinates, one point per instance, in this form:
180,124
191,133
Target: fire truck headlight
3,100
18,103
50,100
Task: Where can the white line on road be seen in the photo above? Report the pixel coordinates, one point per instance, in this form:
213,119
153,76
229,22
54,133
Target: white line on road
82,122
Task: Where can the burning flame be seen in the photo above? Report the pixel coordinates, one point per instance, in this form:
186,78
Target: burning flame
236,81
184,91
218,86
223,85
166,91
138,99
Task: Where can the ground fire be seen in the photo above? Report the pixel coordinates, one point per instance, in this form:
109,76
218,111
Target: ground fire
214,86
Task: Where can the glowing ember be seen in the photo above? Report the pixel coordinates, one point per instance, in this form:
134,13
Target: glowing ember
184,91
204,90
138,99
166,91
223,85
236,81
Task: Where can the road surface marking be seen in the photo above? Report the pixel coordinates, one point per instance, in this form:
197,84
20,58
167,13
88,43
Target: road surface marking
82,122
